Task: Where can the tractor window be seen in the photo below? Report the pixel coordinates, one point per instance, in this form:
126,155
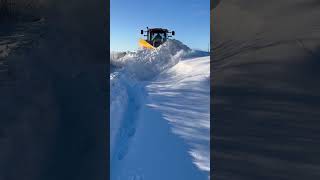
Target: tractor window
160,36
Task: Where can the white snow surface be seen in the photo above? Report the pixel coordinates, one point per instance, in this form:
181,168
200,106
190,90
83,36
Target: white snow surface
160,114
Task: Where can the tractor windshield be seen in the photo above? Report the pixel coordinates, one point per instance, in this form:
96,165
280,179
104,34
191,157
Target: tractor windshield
158,36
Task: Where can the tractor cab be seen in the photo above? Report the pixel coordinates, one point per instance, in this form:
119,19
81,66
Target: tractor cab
155,37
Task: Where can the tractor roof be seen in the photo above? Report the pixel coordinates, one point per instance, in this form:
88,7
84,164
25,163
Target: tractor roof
155,30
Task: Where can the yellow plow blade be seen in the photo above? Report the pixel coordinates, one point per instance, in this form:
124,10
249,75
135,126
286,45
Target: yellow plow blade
145,44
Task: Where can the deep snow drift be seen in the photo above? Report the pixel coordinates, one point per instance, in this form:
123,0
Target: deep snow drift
159,112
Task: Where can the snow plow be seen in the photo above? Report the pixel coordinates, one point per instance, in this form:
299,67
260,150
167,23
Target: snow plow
155,37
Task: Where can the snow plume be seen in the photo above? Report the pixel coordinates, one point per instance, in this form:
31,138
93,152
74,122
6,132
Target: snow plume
146,64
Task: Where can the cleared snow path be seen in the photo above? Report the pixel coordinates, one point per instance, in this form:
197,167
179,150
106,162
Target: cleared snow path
163,131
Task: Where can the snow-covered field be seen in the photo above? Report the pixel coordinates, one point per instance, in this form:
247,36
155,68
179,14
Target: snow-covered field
160,117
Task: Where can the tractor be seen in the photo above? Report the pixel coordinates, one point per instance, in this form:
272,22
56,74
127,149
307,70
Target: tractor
155,37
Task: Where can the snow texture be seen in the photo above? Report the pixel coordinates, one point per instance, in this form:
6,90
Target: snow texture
159,113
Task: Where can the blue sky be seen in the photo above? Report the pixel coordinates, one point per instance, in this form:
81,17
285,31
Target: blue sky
190,19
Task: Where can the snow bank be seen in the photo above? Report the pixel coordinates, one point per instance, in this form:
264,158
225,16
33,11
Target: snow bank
182,95
158,101
165,131
196,53
127,67
125,92
118,106
115,58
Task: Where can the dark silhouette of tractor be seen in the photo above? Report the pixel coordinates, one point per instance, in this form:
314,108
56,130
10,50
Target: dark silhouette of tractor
155,37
